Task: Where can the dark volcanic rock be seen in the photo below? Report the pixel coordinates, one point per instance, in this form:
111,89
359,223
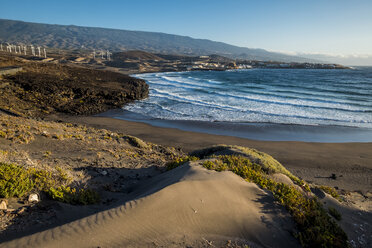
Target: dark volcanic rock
75,90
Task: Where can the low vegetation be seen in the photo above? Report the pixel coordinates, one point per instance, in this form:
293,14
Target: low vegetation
16,181
134,141
67,156
96,146
19,133
334,213
315,227
331,191
74,196
179,161
264,160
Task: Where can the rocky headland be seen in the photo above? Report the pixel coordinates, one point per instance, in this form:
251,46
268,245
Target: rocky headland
48,88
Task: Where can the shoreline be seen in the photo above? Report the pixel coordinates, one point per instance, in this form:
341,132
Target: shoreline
314,162
255,131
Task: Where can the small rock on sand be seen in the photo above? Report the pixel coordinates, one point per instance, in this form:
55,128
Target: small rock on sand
3,205
21,210
33,198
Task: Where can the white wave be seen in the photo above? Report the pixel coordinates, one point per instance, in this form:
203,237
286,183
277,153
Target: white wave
184,96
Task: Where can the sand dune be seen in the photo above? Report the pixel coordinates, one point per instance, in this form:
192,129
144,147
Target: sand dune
186,206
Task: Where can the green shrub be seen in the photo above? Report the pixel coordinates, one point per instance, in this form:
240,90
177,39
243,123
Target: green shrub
63,176
179,161
134,141
316,228
331,191
264,160
267,162
334,213
2,134
43,179
88,196
14,181
61,193
17,181
217,165
74,196
301,183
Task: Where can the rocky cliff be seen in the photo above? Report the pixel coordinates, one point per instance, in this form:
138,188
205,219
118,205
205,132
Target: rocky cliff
72,90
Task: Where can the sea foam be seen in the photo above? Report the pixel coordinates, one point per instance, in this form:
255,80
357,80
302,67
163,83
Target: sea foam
286,96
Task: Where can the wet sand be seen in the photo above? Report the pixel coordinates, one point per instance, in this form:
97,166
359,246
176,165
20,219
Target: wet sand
255,131
314,162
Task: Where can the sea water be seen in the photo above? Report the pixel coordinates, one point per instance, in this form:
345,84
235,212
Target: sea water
305,97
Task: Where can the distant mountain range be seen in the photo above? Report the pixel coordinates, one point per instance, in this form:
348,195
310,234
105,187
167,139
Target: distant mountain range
75,37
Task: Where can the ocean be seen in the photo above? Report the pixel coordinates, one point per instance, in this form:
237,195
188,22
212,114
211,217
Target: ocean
333,101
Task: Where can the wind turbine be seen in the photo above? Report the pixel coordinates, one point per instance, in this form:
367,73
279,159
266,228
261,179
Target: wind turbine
108,55
33,50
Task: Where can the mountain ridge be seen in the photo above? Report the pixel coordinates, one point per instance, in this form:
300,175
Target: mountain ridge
79,37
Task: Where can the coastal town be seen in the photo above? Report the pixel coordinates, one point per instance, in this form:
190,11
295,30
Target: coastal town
145,62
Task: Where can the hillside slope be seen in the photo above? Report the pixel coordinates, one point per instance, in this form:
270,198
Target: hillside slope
75,37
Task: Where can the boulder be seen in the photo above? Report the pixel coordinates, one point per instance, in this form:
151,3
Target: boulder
3,205
33,198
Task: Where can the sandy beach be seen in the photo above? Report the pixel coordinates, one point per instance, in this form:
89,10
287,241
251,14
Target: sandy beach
314,162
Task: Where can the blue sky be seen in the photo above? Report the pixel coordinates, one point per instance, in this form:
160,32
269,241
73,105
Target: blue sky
317,26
